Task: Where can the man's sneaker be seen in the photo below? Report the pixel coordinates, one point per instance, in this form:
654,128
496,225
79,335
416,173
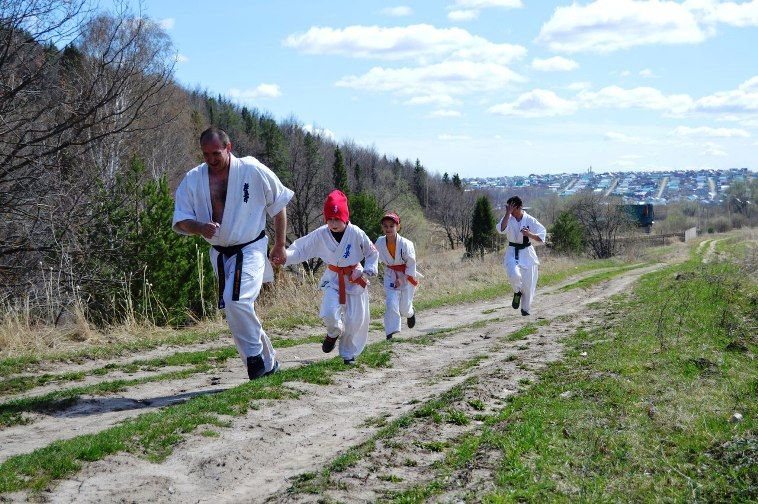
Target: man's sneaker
411,321
273,370
349,362
328,344
389,336
524,313
516,300
255,367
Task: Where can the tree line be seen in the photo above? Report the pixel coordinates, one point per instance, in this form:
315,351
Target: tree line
94,136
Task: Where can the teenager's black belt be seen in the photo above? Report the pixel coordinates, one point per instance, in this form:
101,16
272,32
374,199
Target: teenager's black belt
520,246
223,253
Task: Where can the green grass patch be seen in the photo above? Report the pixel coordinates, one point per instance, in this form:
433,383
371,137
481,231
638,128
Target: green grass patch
461,368
591,280
644,416
317,483
154,434
522,333
13,365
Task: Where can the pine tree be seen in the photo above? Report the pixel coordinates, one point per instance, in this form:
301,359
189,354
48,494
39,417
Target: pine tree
566,233
366,213
482,227
457,182
446,178
419,183
358,177
339,173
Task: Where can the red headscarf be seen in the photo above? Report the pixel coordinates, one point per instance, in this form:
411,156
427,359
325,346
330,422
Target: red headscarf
335,206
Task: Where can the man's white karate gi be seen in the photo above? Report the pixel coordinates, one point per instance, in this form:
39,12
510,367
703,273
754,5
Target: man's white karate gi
399,286
252,191
349,321
522,265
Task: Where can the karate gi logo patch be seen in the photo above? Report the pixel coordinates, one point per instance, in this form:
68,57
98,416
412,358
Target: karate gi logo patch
347,251
245,192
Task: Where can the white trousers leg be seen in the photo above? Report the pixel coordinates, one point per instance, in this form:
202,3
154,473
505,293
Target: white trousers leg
349,323
246,328
398,304
522,279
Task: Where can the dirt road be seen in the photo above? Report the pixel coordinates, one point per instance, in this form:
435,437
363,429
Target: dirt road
255,459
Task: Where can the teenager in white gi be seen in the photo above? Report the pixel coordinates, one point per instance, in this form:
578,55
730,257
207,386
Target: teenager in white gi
225,200
520,261
400,275
342,246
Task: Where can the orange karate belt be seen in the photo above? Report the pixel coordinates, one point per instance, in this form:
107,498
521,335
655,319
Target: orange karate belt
343,272
400,268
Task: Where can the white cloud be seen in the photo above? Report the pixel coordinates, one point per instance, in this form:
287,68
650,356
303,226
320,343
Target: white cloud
639,97
647,74
448,137
438,114
449,77
322,132
742,100
730,13
442,100
167,23
625,73
579,86
609,25
554,64
398,11
262,91
535,103
712,149
615,136
421,41
181,58
462,15
483,4
706,131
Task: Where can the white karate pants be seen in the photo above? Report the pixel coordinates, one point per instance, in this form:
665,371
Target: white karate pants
349,323
248,334
523,279
398,303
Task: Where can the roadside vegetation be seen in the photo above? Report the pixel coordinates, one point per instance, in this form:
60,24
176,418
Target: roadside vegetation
656,403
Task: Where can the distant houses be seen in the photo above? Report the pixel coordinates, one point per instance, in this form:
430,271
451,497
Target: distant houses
704,186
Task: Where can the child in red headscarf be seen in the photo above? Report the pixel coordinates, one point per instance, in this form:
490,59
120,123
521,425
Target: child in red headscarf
342,246
400,276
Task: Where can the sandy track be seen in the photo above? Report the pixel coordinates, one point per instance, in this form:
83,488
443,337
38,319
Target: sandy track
253,459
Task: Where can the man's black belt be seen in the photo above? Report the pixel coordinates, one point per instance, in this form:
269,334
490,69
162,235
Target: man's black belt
223,253
520,246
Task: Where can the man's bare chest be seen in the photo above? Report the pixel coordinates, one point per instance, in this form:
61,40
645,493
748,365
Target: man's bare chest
218,188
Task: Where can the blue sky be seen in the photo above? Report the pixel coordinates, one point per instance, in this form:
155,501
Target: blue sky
491,87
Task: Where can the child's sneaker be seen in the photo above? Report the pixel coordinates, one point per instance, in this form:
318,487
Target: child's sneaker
389,336
328,344
516,300
350,362
524,313
411,321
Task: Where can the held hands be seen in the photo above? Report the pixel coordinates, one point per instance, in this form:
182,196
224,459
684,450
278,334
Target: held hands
278,255
525,232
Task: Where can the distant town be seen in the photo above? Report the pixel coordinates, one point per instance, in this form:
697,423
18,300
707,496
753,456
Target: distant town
703,186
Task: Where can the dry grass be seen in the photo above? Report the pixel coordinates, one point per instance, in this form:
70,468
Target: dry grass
289,302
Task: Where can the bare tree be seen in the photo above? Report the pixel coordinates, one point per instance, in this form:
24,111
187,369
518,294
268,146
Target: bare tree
603,220
69,115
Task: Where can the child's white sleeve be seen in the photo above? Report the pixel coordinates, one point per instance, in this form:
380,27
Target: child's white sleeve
304,248
410,260
371,265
